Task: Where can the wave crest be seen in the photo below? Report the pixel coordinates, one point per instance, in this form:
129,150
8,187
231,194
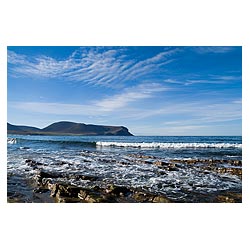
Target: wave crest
168,145
11,140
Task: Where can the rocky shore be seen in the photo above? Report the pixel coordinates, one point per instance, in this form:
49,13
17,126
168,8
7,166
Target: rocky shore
48,186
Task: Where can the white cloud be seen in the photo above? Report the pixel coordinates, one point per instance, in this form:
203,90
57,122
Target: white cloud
90,66
100,107
213,49
130,95
198,113
237,101
227,78
204,79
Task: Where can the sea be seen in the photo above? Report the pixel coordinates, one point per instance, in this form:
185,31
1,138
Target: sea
117,159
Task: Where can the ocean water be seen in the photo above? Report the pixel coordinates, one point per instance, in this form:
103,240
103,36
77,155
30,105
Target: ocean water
116,159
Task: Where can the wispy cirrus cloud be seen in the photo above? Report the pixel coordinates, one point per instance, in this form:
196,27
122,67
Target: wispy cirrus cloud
93,66
130,95
42,66
213,49
204,79
198,112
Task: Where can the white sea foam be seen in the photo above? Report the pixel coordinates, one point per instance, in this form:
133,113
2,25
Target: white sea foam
11,141
168,145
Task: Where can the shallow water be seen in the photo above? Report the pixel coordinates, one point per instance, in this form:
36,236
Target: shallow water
118,160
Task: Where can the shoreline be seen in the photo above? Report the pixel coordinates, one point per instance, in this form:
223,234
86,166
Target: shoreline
46,186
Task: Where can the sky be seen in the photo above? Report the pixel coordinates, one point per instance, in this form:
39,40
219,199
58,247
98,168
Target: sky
152,90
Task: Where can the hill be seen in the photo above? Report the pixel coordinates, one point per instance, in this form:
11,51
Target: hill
69,128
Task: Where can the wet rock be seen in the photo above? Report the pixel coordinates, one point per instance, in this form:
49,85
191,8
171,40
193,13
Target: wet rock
229,197
141,197
84,177
91,196
45,182
68,191
161,163
237,163
126,163
169,166
61,163
54,189
89,177
65,193
223,170
177,160
33,163
96,198
162,173
161,199
106,160
117,190
191,161
82,194
142,156
57,184
42,176
40,190
90,199
235,171
85,160
145,161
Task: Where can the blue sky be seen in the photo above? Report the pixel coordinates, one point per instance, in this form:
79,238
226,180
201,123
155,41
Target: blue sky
151,90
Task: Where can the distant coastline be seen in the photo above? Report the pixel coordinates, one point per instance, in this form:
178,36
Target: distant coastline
69,128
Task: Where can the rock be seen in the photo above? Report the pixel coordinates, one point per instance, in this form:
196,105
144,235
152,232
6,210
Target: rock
60,163
229,197
107,160
223,170
89,177
93,197
40,190
63,190
142,156
192,161
161,163
83,177
237,163
161,199
42,176
54,189
117,190
84,160
46,182
169,166
126,163
68,191
145,162
82,194
160,172
90,199
96,198
140,196
33,163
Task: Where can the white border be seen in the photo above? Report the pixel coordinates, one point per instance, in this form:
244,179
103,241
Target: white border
125,226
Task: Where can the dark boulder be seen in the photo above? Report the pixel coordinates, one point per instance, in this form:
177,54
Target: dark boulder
118,190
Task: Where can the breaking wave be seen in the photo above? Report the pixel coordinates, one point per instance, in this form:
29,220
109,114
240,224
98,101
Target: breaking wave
168,145
11,140
61,142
